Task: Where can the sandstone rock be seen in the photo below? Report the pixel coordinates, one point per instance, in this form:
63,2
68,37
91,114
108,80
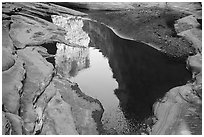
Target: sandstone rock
11,124
50,8
186,23
41,104
167,111
5,125
6,40
62,109
172,109
60,114
198,79
84,108
47,95
188,7
4,16
194,35
16,123
101,5
38,75
30,30
195,63
12,86
7,60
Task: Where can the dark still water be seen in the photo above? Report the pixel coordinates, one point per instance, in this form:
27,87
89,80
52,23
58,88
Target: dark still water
127,77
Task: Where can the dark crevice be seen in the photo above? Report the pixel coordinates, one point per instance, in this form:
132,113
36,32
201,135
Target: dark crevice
200,22
51,60
51,47
21,91
36,97
52,50
170,23
46,17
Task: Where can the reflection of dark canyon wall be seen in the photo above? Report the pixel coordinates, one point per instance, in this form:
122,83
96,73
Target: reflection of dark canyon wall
143,73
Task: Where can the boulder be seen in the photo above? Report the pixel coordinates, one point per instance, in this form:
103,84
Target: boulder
7,59
193,35
186,23
195,63
38,75
30,30
171,111
12,86
6,40
58,114
16,123
5,125
85,109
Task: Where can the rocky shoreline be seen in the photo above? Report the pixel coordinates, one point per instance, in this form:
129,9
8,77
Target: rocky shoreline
39,100
180,111
35,99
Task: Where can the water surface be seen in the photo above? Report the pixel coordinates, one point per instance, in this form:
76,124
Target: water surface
127,77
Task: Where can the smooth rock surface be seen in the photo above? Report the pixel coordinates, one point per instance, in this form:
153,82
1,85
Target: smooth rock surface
171,110
6,40
186,23
29,30
5,124
7,60
16,123
193,35
83,107
38,75
195,63
59,112
12,86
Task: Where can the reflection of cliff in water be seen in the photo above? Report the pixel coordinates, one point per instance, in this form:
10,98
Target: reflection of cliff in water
70,60
143,73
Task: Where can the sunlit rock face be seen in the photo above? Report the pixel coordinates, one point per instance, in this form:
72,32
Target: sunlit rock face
70,60
73,25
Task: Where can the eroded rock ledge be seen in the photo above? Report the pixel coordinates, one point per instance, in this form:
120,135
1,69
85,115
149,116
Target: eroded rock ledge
35,99
180,111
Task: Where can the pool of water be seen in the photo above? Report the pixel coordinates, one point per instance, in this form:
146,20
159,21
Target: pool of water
126,76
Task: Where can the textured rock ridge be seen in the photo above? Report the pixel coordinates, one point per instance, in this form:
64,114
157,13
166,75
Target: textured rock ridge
180,111
36,100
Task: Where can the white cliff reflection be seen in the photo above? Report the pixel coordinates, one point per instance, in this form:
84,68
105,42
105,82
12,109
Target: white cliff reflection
73,26
126,76
70,60
96,79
